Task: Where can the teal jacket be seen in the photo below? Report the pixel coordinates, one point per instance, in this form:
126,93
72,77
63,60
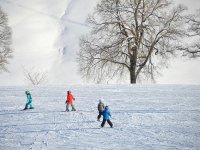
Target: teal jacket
29,98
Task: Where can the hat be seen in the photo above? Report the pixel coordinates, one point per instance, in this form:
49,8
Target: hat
27,92
68,92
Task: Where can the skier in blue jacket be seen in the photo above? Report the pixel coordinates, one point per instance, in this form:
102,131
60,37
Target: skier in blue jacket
29,100
106,117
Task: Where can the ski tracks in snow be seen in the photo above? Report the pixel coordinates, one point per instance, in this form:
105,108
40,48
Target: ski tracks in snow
156,122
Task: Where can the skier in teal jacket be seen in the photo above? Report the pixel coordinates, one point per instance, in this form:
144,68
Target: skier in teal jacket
29,100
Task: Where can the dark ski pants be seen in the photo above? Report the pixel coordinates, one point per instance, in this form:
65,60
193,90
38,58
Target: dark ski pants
67,107
104,121
99,116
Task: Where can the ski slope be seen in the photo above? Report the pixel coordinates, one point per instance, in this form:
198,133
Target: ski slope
153,117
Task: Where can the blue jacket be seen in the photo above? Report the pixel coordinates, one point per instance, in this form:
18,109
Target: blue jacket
106,114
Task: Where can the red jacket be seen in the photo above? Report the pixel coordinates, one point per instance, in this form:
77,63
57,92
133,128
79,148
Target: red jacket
70,98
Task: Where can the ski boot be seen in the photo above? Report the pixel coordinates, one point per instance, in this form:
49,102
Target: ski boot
73,109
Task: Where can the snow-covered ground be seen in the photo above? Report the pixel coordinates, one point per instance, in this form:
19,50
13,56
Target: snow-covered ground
144,116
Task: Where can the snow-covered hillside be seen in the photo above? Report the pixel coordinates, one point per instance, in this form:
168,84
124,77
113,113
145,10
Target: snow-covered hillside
46,36
144,117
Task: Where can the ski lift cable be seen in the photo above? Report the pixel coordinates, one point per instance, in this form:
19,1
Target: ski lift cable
44,13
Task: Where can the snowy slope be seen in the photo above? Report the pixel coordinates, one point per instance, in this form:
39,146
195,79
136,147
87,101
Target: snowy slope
72,26
46,36
144,117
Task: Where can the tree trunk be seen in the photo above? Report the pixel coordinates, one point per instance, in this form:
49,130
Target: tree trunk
132,70
132,77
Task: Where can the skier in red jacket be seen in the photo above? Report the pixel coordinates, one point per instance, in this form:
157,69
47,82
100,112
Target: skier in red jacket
69,101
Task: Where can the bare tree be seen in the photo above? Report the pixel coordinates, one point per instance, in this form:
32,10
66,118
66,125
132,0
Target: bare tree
5,41
134,37
193,47
35,77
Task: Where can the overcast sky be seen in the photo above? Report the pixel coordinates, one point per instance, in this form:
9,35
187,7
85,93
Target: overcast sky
45,36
